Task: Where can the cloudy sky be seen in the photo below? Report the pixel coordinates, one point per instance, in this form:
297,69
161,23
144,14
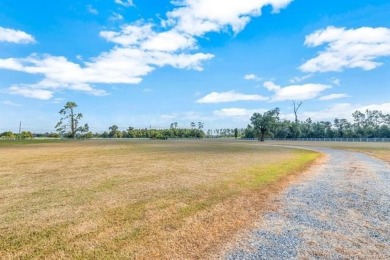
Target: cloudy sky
145,63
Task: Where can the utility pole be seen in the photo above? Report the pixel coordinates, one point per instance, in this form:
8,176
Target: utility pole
20,129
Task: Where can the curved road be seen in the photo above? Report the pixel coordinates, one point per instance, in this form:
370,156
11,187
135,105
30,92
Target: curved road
341,211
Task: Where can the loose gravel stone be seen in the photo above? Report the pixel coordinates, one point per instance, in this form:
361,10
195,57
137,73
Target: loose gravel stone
341,211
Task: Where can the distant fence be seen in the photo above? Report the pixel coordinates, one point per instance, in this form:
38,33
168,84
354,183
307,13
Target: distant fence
373,140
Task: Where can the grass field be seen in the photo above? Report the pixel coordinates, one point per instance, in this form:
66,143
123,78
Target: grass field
135,199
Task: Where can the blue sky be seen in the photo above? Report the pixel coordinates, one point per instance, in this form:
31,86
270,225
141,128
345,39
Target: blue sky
145,63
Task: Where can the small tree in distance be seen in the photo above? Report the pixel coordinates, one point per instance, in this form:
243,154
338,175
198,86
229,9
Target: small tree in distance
235,133
69,123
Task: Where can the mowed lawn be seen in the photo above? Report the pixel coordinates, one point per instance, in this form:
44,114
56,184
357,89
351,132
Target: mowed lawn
135,199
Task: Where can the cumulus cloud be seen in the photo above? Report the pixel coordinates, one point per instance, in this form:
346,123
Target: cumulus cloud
131,34
333,96
120,65
237,112
116,17
15,36
169,41
139,54
198,17
230,96
348,48
342,110
125,3
31,92
144,37
300,79
252,77
385,107
295,92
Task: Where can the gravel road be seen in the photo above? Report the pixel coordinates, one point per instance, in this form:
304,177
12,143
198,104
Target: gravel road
340,211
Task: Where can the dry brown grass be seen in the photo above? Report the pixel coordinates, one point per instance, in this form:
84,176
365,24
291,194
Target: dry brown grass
127,199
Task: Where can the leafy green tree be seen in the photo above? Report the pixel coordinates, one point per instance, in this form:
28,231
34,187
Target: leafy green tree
236,133
26,135
249,132
8,134
295,130
343,128
89,135
114,132
265,123
69,123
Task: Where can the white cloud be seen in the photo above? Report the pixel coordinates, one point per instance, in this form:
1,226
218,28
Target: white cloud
31,92
144,37
252,77
353,48
300,79
169,41
140,48
179,61
198,17
385,107
231,96
126,3
129,35
237,112
333,96
125,65
343,110
15,36
295,92
92,10
116,17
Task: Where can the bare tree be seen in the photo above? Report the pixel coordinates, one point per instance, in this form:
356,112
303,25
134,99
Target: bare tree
296,107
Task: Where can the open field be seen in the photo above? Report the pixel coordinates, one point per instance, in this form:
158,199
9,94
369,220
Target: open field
380,150
143,199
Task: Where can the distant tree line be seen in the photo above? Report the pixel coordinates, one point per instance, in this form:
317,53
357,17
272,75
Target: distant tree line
173,132
23,135
370,124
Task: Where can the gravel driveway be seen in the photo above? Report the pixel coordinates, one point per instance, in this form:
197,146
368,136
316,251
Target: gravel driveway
341,211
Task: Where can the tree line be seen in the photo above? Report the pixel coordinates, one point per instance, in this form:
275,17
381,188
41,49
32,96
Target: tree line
367,124
69,126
